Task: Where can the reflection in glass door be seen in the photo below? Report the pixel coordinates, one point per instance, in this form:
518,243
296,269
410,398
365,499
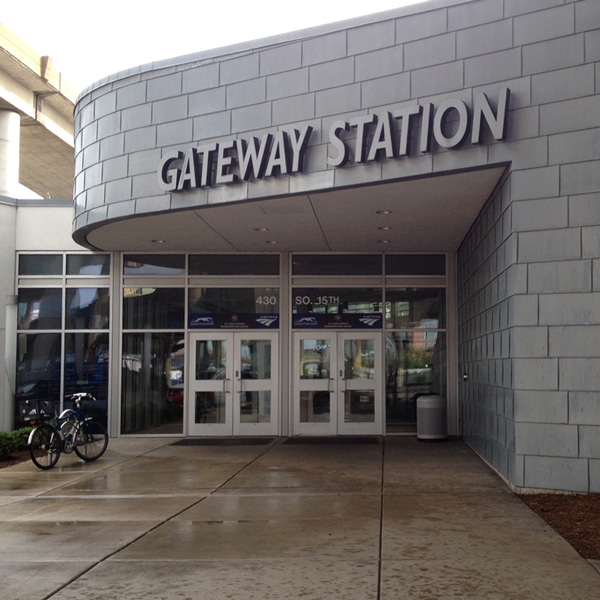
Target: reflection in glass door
337,383
233,387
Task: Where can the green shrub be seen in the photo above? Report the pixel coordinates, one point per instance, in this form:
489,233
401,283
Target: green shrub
13,441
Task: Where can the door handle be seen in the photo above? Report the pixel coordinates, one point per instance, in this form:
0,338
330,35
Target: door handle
226,386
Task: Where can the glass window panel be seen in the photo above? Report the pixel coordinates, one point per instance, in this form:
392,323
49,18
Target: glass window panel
359,406
153,308
211,359
40,308
87,308
415,264
210,407
415,366
359,359
314,359
336,300
336,264
256,359
154,264
224,301
40,264
255,407
38,366
86,370
234,264
314,407
415,308
88,264
152,384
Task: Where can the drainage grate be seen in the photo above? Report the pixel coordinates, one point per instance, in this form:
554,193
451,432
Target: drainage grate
333,440
254,441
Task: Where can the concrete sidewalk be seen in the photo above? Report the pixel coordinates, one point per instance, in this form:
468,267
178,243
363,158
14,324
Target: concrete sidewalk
390,520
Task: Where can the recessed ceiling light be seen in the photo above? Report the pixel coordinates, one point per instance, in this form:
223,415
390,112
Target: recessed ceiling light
158,241
260,229
271,242
383,241
384,228
384,212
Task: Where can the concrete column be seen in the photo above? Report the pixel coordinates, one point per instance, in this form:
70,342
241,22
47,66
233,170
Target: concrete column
10,130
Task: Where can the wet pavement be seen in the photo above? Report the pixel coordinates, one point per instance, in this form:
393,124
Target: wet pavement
394,519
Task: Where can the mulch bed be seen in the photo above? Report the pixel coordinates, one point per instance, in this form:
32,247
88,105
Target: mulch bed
576,517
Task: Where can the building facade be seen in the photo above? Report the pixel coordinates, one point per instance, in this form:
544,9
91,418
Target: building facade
302,235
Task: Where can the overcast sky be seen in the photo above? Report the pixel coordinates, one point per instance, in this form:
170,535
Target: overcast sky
88,41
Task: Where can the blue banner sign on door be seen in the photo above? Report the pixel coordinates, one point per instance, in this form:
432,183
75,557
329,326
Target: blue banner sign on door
233,321
344,321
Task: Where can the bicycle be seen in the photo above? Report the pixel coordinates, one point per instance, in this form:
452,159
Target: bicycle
70,431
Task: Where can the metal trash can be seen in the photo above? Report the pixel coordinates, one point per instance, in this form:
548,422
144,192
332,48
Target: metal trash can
431,418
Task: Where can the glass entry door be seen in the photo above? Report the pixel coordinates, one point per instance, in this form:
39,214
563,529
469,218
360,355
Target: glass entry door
337,383
233,383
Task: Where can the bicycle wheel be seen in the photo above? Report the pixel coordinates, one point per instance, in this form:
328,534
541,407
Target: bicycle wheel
91,441
44,446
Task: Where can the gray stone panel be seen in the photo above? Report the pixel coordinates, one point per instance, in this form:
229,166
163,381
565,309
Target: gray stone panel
206,102
109,125
590,241
587,15
112,146
437,80
212,126
178,132
523,310
562,85
531,215
584,408
570,309
541,407
118,190
575,341
172,109
549,473
547,439
291,83
415,27
518,7
524,154
574,146
239,69
136,116
529,342
246,92
145,185
594,476
560,277
140,139
430,51
121,209
371,37
553,54
249,118
498,66
592,46
545,25
132,95
570,115
579,178
200,78
379,63
386,90
338,100
144,162
293,109
166,86
324,48
476,13
584,209
552,245
535,374
283,58
535,183
581,374
332,74
484,39
105,105
115,168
